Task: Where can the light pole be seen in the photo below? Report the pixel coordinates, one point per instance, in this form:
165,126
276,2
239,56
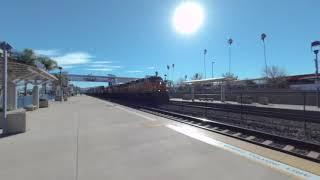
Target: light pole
5,48
212,68
204,63
230,41
315,46
263,37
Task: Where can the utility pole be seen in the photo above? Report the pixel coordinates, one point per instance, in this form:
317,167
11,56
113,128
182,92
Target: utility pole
5,48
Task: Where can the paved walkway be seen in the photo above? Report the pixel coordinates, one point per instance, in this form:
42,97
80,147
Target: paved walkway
115,143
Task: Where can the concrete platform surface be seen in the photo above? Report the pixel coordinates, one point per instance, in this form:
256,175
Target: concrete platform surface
114,143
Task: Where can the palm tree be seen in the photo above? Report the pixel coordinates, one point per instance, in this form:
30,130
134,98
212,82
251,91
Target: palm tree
27,56
48,63
172,72
230,41
204,62
263,37
168,67
196,76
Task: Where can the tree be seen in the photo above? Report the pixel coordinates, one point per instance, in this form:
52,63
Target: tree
230,76
197,76
63,78
27,56
275,76
48,63
180,81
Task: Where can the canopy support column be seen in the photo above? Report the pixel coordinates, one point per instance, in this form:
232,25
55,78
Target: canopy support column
35,96
12,96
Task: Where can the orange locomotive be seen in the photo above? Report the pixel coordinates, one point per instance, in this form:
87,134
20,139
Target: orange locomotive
150,90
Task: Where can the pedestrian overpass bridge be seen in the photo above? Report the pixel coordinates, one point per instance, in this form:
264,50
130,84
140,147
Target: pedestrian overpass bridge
111,79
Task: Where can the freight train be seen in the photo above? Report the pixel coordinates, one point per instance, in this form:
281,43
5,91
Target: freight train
146,90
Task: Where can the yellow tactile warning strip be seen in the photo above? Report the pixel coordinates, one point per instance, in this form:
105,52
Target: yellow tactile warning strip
250,155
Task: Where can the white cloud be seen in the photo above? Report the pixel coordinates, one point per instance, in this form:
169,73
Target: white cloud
134,71
48,52
104,66
151,67
100,69
73,58
101,62
68,67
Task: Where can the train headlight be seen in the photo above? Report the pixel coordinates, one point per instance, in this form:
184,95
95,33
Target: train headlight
159,90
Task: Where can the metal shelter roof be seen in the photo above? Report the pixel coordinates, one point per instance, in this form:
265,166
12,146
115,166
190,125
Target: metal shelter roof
18,72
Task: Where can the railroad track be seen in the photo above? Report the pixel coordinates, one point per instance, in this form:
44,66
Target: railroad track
302,149
289,114
301,126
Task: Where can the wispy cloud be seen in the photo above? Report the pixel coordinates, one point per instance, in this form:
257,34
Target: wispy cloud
151,67
101,62
82,60
68,67
135,71
100,69
48,52
104,66
63,59
73,58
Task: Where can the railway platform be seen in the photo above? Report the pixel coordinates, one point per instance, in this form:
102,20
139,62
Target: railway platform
88,138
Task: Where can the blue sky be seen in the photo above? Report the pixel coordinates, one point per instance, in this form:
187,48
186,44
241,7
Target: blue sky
135,37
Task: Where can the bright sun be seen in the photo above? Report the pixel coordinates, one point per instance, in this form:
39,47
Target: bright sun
188,17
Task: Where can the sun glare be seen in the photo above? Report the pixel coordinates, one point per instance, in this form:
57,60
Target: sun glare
188,17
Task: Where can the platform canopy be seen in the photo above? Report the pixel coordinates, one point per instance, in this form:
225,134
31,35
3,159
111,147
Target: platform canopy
22,72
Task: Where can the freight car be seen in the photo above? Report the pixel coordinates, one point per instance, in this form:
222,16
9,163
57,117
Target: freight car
147,90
